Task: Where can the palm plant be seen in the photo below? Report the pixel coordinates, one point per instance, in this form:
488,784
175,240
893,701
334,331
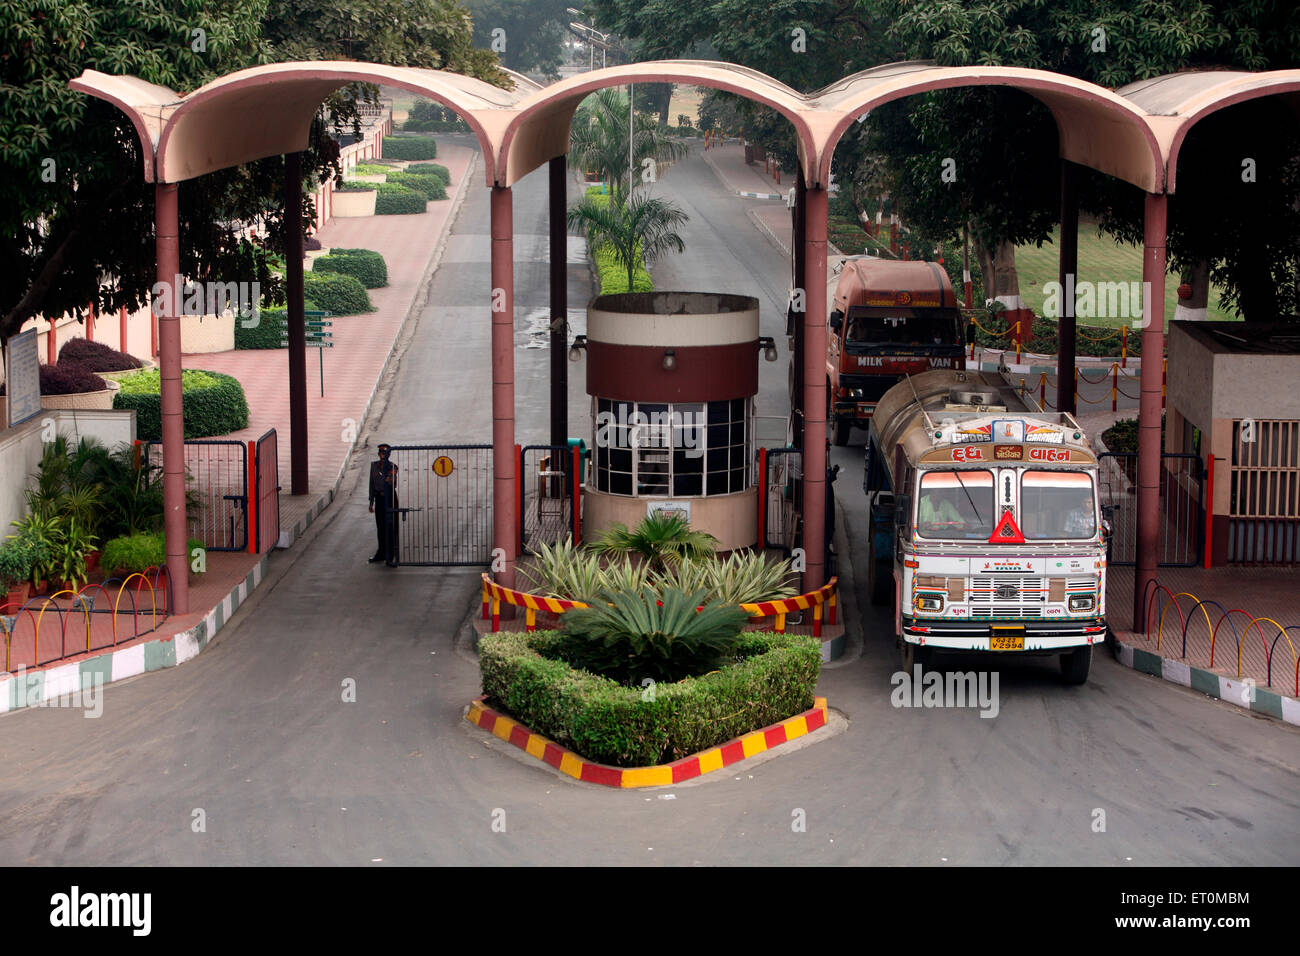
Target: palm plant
628,637
598,140
638,229
660,539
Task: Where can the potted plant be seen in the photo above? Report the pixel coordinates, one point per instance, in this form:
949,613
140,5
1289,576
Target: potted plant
44,535
352,200
70,554
16,558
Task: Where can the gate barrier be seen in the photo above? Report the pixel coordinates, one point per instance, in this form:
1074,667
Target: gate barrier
444,505
780,497
1182,518
827,595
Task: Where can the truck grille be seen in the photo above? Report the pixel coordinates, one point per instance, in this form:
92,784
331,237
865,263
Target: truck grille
1017,595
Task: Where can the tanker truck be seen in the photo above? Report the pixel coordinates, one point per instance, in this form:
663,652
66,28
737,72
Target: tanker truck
986,536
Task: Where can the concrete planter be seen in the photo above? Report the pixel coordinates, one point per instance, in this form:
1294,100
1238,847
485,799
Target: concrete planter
82,400
348,204
117,376
369,178
207,333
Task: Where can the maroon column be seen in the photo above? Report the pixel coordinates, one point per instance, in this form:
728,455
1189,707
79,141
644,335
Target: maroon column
293,252
1069,266
816,213
1149,408
504,517
168,256
558,172
795,319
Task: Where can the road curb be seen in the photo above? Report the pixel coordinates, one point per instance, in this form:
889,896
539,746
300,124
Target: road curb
37,687
679,771
1227,689
767,231
731,187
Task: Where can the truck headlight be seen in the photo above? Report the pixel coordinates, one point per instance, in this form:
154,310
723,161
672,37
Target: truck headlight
1082,602
929,602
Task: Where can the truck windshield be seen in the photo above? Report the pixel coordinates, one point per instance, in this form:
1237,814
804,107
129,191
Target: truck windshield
1057,504
955,505
899,326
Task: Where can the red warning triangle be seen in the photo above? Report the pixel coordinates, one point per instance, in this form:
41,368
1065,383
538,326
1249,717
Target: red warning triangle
1007,531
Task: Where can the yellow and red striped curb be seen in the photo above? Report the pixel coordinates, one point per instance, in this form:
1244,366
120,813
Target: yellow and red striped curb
715,758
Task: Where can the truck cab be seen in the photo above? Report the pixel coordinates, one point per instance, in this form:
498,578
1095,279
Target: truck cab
887,319
985,527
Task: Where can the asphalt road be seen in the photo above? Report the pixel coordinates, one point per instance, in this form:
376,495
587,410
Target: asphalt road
256,734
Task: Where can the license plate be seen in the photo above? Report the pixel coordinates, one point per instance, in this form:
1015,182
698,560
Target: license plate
1006,642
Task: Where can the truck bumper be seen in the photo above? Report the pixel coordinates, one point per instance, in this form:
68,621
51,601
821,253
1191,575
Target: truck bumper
1043,637
854,411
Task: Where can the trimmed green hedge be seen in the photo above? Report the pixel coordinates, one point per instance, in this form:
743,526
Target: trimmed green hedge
430,187
139,552
364,265
214,403
410,147
267,333
398,200
604,721
431,169
336,293
611,271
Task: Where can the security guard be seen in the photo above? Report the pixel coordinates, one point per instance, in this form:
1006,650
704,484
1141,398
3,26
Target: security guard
383,492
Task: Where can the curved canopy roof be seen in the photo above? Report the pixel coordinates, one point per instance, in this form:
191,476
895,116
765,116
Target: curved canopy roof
1133,134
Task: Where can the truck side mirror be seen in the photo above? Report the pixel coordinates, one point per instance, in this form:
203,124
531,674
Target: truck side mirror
902,509
837,320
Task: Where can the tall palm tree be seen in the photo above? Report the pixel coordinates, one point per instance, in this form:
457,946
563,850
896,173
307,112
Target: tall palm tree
598,139
638,228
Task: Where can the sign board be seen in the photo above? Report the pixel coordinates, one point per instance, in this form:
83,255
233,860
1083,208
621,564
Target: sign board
443,466
669,509
22,377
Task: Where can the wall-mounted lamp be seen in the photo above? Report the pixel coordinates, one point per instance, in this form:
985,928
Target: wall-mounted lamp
768,345
576,349
670,360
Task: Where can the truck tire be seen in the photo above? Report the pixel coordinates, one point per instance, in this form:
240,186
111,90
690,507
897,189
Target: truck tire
842,429
1075,665
880,579
910,655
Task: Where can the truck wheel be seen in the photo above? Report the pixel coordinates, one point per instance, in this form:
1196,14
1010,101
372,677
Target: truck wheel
1075,665
842,429
911,655
879,580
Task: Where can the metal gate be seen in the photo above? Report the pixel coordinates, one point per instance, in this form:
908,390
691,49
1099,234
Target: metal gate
216,483
547,496
444,504
780,472
266,475
1182,514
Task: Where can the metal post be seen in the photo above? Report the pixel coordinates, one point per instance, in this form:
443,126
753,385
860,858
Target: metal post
1067,275
1148,459
168,256
504,519
250,509
293,253
123,323
796,319
816,217
762,499
559,305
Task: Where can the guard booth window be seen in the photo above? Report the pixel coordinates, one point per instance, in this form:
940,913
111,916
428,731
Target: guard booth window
658,449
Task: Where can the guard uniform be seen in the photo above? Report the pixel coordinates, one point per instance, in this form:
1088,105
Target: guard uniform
383,497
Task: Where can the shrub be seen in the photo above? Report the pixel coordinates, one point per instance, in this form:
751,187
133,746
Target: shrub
96,356
214,403
772,678
266,332
431,169
371,169
339,294
18,556
430,187
348,186
397,200
362,264
68,380
410,147
139,552
427,116
660,539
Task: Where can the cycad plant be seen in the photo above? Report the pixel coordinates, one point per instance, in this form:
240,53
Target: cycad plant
631,636
660,539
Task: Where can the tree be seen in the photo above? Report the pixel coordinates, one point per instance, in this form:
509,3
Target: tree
598,140
635,227
532,32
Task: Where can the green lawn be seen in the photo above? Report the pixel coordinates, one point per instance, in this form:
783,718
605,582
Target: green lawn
1101,259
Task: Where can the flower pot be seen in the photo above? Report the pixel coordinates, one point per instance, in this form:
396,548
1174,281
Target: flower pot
16,596
352,204
42,588
92,562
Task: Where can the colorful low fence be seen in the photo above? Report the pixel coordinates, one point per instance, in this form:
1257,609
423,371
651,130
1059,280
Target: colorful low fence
44,630
823,603
1149,614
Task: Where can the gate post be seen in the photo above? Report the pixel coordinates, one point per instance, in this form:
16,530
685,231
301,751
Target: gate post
577,496
250,509
762,498
167,308
1149,407
816,213
505,523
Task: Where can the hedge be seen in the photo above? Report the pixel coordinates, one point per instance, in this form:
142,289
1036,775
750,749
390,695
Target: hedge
431,169
267,332
398,200
353,186
139,552
613,273
364,265
410,147
604,721
1096,341
339,294
214,403
96,356
430,187
371,169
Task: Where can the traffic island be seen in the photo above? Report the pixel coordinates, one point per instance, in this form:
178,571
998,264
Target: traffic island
679,771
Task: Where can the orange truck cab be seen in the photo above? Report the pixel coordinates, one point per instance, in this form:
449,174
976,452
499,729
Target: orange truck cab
888,319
